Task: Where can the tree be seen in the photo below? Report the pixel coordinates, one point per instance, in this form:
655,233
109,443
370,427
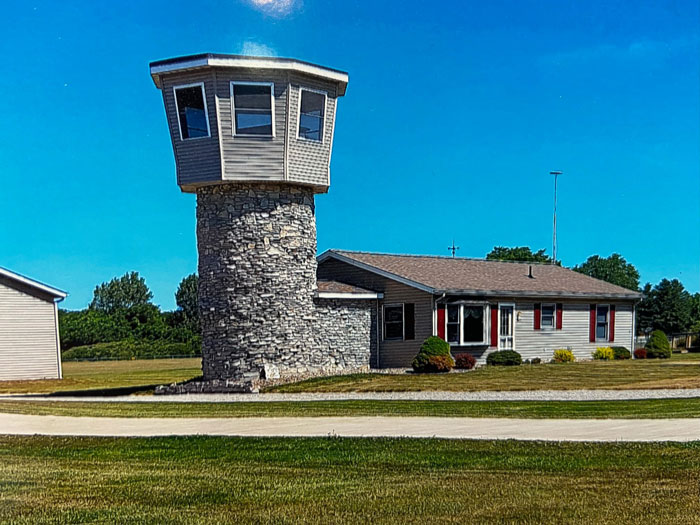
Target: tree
614,269
518,253
186,296
667,307
121,292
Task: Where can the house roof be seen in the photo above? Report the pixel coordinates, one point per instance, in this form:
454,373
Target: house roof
466,276
31,284
185,63
338,290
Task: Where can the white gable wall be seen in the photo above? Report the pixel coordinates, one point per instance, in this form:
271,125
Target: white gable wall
29,347
574,334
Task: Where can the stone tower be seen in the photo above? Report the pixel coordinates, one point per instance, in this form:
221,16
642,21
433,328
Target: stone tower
252,139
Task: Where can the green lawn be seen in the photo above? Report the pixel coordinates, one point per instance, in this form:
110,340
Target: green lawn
333,480
655,409
677,372
100,375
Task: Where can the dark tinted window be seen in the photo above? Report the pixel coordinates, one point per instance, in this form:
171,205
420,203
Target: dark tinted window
393,322
253,109
191,112
313,109
473,324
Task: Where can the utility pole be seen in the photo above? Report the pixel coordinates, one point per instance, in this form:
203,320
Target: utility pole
554,234
453,248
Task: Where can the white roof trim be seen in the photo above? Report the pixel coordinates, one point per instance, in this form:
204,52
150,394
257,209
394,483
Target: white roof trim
331,254
249,62
33,284
349,295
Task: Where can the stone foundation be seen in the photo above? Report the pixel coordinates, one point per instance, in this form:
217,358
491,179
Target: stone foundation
257,282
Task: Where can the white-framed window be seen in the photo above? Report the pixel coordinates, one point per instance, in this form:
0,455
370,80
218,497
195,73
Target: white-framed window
602,319
467,324
548,313
312,114
191,109
253,109
393,316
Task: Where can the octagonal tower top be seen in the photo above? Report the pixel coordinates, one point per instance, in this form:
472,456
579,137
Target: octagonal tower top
249,119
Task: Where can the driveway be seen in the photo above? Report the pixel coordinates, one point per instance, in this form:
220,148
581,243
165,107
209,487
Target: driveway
415,427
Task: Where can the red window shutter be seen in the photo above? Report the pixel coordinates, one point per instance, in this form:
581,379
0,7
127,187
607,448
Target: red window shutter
494,325
538,316
560,314
611,327
591,325
441,321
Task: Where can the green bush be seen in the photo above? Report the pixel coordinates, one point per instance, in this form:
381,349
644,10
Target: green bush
563,355
621,352
504,358
657,347
433,347
132,349
604,353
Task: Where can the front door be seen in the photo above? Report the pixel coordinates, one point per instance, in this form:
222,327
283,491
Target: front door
505,330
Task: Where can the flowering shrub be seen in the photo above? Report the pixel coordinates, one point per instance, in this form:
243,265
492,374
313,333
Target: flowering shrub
465,361
440,363
640,353
562,355
434,356
604,353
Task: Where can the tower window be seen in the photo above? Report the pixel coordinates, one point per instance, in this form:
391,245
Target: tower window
311,114
253,106
192,115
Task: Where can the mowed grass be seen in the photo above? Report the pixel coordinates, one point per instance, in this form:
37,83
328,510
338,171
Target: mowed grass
638,409
104,375
333,480
633,374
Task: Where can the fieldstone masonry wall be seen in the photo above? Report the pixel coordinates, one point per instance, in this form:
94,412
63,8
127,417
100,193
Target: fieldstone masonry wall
257,282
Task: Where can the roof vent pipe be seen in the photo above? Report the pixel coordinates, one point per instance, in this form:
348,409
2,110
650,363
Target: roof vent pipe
529,272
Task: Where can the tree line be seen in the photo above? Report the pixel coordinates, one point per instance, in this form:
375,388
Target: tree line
665,306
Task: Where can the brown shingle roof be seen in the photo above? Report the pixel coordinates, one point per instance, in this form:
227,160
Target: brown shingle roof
479,276
336,287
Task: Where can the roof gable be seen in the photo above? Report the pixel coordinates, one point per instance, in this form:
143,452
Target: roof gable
481,277
31,286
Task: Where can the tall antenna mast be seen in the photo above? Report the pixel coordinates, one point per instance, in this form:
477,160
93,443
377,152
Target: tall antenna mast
554,233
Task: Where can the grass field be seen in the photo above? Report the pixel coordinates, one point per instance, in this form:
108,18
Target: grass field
100,375
653,409
332,480
674,373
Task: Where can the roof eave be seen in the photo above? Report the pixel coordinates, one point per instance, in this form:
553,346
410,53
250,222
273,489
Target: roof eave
160,67
553,295
54,292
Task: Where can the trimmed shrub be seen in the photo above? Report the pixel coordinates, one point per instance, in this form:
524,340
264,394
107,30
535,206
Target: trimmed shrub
131,349
657,347
620,352
504,358
604,353
535,361
433,347
640,353
465,361
562,355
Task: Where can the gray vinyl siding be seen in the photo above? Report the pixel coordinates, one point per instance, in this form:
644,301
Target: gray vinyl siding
28,340
391,353
252,158
196,160
308,161
574,334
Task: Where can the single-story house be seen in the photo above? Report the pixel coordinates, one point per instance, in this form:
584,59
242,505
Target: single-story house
479,306
30,347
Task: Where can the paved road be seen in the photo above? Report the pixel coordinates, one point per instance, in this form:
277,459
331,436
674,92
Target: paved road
519,395
452,428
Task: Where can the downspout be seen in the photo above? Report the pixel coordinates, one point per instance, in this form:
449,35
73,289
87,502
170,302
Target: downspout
58,340
379,363
435,302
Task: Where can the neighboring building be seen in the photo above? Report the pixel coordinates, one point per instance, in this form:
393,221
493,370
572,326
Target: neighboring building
29,343
479,306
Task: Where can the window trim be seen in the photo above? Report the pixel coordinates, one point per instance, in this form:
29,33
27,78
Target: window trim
554,316
325,111
486,323
234,131
403,321
206,109
607,323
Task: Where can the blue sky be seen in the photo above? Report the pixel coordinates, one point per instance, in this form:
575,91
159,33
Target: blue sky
454,115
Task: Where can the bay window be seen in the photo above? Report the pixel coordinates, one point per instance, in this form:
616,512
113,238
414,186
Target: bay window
466,324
